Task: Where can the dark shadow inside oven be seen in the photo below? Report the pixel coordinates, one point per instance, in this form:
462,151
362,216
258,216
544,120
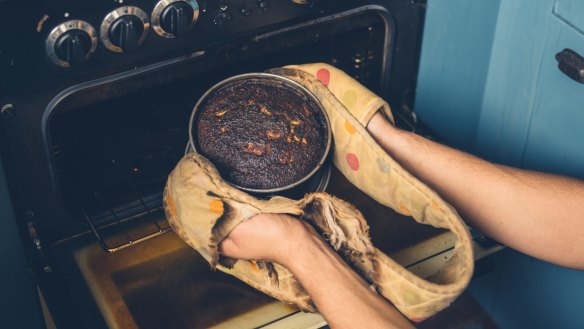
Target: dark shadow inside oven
111,161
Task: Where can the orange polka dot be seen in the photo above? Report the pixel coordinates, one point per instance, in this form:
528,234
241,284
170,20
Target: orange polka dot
324,76
349,127
349,99
216,206
353,161
435,206
404,210
254,266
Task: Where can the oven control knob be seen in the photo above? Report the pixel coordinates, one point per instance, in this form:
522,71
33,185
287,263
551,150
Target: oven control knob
124,29
174,18
71,43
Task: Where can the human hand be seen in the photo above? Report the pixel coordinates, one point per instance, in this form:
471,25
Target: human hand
270,237
379,125
383,132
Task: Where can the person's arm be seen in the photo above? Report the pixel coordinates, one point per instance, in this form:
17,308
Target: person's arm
539,214
341,296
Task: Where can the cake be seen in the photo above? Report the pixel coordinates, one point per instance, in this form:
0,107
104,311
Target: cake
260,134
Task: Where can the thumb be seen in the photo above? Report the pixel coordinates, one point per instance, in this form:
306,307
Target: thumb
229,248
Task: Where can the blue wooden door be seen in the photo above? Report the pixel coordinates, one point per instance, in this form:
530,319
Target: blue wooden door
555,141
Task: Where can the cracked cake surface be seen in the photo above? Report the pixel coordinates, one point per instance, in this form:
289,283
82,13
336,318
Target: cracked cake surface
260,134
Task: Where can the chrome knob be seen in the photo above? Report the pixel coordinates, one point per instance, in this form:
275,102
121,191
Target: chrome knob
174,18
124,29
71,43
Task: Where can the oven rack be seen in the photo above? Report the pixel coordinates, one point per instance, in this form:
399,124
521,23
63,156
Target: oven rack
121,227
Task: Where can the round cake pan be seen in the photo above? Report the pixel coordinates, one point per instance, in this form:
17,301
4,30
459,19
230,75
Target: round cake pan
276,79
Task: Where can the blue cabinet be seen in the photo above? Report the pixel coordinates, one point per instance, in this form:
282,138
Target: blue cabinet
519,110
571,12
456,49
512,78
555,141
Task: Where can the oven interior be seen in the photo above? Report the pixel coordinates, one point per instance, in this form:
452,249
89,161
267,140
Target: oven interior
111,159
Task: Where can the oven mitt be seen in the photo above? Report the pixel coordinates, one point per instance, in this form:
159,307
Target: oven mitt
203,209
366,165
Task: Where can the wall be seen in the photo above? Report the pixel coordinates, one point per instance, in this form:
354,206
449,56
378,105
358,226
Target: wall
482,89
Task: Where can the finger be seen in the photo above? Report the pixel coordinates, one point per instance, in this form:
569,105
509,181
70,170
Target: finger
228,248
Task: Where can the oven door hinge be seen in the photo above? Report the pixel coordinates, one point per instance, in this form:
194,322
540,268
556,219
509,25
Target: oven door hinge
42,258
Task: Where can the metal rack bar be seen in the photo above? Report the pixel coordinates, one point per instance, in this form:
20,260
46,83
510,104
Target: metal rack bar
121,224
133,187
124,232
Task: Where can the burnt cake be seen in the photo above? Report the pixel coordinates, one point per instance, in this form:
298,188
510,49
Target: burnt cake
260,134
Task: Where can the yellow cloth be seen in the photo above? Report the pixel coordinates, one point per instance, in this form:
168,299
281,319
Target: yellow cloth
203,209
360,101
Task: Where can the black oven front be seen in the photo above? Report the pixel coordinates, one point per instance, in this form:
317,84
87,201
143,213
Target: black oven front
89,140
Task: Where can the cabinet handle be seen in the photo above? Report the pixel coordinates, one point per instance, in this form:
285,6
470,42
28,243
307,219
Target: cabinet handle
572,64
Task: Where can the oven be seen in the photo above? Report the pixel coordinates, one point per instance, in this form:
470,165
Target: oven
95,99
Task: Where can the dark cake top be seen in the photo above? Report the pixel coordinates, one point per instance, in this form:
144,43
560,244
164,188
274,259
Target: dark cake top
260,134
